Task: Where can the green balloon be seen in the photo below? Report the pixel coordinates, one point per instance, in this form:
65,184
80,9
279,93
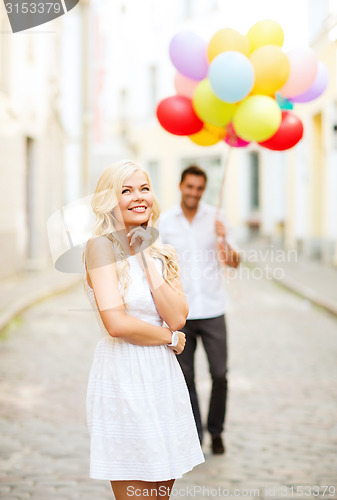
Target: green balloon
209,107
283,102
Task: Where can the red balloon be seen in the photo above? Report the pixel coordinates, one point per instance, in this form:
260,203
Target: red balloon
176,115
288,135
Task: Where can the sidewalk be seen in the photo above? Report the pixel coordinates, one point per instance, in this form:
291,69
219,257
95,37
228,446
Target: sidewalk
312,280
21,291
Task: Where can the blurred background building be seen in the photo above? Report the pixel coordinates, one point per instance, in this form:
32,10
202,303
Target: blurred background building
31,138
43,132
289,197
81,92
315,178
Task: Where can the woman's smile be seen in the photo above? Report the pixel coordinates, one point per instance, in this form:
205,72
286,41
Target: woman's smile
138,208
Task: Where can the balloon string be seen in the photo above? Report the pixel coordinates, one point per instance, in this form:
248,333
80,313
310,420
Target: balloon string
223,182
231,137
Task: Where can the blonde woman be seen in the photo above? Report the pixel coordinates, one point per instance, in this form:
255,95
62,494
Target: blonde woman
142,430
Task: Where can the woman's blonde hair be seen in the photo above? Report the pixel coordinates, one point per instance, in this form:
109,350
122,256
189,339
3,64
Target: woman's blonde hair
105,199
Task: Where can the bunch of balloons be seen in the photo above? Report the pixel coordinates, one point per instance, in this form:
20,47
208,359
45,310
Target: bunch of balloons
240,88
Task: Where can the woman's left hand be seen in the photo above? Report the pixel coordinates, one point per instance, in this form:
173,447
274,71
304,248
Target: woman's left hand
141,238
178,349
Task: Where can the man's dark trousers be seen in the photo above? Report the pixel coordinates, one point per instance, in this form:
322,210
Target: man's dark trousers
212,332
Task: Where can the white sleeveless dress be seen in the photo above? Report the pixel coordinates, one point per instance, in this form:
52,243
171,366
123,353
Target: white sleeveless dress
139,414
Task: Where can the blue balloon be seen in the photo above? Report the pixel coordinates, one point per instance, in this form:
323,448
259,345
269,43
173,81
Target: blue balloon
231,75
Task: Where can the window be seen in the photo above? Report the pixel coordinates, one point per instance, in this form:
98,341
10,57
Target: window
32,233
153,88
122,109
332,7
4,54
30,49
317,15
187,8
153,170
334,126
254,181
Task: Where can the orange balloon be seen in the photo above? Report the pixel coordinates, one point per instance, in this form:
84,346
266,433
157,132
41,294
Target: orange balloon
209,135
227,39
213,129
271,67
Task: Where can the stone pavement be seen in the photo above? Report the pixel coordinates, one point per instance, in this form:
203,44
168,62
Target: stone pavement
281,431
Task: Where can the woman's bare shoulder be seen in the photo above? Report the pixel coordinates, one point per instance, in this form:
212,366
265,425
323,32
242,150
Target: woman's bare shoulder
98,241
99,252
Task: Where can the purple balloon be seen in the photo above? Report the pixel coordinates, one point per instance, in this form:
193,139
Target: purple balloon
317,88
188,53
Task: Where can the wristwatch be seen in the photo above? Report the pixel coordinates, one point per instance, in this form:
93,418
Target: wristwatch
174,339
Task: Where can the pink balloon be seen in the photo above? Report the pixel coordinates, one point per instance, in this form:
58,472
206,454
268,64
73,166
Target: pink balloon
184,86
303,71
317,88
232,139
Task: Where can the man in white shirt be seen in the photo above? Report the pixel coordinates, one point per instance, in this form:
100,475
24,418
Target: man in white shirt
198,234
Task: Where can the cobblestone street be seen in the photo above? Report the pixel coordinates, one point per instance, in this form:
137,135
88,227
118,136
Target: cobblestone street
281,431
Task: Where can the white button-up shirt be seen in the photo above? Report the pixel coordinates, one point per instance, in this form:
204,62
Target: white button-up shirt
201,273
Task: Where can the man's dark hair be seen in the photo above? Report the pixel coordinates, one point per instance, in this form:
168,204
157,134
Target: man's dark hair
193,170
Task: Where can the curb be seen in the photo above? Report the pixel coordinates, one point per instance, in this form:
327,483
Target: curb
308,294
23,303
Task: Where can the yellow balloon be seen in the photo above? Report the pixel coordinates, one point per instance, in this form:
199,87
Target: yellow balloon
209,108
271,67
265,32
257,118
227,39
209,135
220,132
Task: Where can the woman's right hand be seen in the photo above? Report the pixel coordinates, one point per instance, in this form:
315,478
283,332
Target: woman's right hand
178,349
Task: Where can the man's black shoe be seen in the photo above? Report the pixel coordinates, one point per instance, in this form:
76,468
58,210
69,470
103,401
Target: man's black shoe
217,445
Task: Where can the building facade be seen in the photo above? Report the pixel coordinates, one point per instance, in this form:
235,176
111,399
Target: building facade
44,132
288,197
31,139
312,176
